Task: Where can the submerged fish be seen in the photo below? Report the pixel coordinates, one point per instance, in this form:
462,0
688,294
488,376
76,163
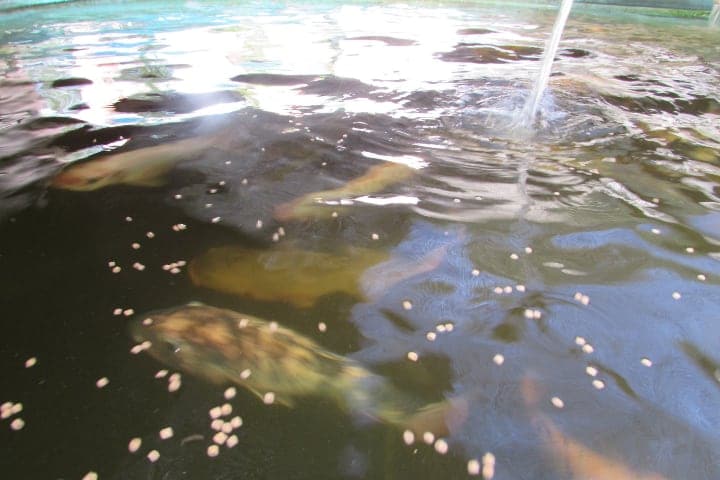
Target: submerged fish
223,346
300,277
322,204
144,167
573,457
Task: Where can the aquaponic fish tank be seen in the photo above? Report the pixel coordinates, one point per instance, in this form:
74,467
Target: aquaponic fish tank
359,240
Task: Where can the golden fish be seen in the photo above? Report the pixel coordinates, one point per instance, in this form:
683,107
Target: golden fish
572,456
321,204
144,167
300,277
280,365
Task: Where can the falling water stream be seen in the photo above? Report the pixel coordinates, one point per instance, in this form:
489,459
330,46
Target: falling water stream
530,110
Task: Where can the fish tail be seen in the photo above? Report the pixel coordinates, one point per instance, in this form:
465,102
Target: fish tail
441,418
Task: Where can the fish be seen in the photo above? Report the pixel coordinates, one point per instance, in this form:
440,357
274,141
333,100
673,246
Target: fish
300,277
321,204
143,167
223,347
570,455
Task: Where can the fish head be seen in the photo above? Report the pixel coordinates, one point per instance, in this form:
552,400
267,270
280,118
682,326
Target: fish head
86,176
191,338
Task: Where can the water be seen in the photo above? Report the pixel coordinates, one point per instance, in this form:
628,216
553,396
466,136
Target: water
533,101
495,259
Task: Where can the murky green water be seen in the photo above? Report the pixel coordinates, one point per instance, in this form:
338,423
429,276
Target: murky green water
348,171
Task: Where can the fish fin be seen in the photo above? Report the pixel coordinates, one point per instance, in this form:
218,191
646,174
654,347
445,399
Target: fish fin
441,418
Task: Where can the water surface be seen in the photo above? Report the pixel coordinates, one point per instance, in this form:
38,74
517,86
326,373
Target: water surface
576,263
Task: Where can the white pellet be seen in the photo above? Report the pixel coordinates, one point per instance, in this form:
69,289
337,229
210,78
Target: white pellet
408,437
166,433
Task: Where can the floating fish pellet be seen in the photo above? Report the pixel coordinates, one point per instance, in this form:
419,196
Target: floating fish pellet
431,336
244,322
166,433
528,250
407,305
690,250
441,446
116,269
557,402
701,277
17,424
587,348
408,437
258,224
412,356
216,219
178,196
646,361
102,382
135,246
161,373
322,327
498,290
473,467
129,311
147,321
232,441
230,393
215,412
90,476
16,408
269,398
111,264
153,456
520,288
217,424
428,438
656,231
499,359
582,298
134,444
281,231
128,219
213,451
475,272
599,384
592,371
514,256
456,200
507,290
174,382
488,466
226,428
375,236
138,266
580,341
245,374
532,314
220,438
30,362
236,422
117,311
226,409
676,295
150,235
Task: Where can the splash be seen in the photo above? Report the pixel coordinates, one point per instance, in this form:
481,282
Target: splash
530,110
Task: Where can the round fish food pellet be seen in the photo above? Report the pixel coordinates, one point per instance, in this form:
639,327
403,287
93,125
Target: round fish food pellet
134,444
213,451
153,456
166,433
408,437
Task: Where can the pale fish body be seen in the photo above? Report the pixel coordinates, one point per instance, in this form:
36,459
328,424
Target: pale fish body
142,167
323,203
300,277
223,346
573,457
